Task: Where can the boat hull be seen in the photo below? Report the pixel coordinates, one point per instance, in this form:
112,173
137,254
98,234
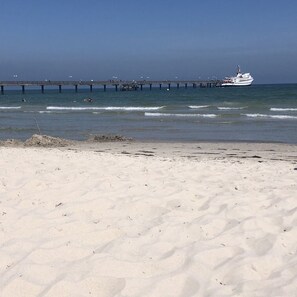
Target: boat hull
236,84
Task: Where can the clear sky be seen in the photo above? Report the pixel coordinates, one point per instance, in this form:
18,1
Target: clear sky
155,39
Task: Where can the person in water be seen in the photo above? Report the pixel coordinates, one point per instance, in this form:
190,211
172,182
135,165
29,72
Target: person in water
90,100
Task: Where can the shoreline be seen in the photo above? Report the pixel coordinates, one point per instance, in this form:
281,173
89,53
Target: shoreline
190,150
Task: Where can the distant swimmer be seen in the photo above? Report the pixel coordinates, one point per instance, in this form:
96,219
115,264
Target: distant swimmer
24,100
90,100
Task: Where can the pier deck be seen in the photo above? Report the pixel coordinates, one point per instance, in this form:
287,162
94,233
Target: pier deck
117,84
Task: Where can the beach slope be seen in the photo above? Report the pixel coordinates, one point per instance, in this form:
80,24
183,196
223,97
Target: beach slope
148,220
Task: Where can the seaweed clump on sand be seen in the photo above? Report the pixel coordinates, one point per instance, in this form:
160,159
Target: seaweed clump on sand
11,142
46,141
106,138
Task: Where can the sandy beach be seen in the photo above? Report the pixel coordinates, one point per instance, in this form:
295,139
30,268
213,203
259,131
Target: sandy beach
129,219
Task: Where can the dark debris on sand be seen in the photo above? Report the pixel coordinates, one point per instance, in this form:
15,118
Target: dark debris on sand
38,140
46,141
11,142
107,138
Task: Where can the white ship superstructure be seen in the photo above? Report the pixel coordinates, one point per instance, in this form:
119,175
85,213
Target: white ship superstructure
241,79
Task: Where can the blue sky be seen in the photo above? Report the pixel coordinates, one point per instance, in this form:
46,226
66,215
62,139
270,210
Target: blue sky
157,39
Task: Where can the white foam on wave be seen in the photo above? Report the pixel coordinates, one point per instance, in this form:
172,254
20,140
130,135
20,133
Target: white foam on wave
109,108
70,108
198,106
281,117
231,108
282,109
10,107
157,114
134,108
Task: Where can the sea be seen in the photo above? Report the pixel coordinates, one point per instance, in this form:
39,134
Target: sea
259,113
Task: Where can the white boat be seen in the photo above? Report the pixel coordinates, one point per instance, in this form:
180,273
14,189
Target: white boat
241,79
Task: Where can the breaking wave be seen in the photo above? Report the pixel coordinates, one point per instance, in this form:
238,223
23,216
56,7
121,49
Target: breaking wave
110,108
10,107
281,117
231,108
283,109
157,114
198,106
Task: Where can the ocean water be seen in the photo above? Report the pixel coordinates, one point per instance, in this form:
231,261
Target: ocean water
265,113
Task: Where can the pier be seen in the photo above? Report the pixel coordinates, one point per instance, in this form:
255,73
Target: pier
122,85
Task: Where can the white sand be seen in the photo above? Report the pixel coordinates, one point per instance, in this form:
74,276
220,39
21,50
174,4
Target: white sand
84,223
